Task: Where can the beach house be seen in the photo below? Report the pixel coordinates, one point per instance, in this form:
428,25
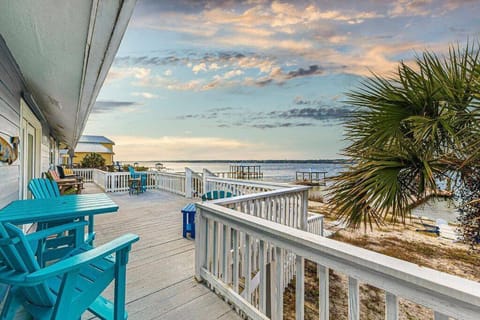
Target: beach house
94,144
54,58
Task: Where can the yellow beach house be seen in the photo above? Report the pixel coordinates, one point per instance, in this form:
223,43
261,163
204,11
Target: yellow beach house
97,144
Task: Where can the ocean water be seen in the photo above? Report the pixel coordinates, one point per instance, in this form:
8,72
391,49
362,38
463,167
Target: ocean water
272,171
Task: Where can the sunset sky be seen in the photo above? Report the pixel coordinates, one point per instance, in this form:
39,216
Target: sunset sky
259,79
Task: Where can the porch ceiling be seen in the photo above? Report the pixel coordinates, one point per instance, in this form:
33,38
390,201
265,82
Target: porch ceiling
64,50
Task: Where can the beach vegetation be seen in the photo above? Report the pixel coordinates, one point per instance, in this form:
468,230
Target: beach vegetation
410,130
93,160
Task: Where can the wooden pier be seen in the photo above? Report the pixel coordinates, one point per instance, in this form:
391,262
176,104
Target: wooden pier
311,178
245,172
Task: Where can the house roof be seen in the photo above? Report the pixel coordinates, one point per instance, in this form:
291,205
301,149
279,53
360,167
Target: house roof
64,60
92,147
94,139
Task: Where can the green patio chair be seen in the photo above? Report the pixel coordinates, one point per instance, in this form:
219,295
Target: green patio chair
67,288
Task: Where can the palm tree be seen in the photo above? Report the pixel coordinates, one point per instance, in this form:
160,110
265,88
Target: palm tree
408,131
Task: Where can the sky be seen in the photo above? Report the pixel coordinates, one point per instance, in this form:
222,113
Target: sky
259,79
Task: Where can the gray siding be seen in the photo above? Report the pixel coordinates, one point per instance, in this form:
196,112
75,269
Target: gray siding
11,89
11,86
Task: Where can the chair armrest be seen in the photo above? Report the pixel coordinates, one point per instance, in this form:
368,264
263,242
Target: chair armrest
42,234
79,260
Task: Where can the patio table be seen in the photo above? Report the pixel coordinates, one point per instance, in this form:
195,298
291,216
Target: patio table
76,206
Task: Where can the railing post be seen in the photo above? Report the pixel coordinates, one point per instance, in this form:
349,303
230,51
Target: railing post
391,306
323,292
353,299
304,217
201,238
188,183
279,283
204,180
300,288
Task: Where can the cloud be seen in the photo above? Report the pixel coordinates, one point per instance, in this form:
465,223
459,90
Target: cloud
319,113
122,73
131,148
281,125
105,106
261,24
314,111
199,67
411,8
146,95
312,70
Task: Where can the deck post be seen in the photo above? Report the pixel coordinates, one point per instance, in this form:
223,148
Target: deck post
304,212
300,288
353,299
201,243
188,183
391,306
279,283
263,278
323,292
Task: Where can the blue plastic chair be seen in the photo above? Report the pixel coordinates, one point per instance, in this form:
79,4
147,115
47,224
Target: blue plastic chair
141,175
188,212
67,288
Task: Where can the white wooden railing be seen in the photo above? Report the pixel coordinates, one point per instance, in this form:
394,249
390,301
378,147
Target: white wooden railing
86,174
100,178
287,206
240,187
240,273
119,181
315,223
171,182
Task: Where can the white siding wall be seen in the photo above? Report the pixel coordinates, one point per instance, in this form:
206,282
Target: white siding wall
10,92
11,88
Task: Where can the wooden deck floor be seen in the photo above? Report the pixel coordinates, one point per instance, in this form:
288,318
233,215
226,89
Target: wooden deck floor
160,283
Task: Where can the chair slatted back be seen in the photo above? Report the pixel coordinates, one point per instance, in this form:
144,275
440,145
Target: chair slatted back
43,188
54,174
18,258
132,172
216,194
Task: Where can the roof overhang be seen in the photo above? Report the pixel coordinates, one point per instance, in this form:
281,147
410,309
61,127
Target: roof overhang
64,50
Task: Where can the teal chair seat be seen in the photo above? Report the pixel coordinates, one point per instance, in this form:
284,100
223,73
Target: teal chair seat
67,288
216,194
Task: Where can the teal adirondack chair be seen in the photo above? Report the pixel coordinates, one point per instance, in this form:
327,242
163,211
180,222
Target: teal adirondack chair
43,188
54,247
67,288
141,175
216,194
